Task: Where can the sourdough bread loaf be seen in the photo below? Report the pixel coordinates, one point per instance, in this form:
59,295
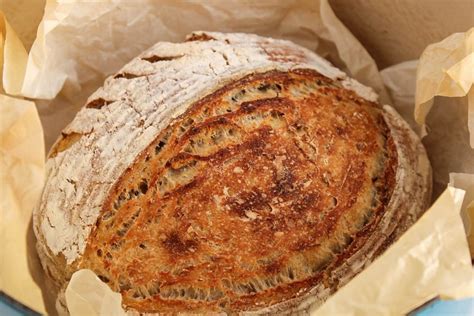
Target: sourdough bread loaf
230,173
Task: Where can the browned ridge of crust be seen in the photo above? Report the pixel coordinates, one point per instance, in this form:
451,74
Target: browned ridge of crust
248,199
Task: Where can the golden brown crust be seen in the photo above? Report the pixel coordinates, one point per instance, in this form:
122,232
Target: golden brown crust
248,199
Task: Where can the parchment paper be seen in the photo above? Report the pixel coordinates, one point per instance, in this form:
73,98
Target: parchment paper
86,294
13,56
446,69
21,179
78,44
466,182
21,175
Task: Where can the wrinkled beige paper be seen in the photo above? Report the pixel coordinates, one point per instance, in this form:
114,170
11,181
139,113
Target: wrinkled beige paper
26,23
21,180
13,59
21,175
446,69
79,44
86,294
466,182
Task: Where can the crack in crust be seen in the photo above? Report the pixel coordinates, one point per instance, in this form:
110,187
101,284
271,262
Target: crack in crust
237,217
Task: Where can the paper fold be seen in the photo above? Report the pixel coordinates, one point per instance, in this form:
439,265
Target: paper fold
21,181
13,58
86,294
446,69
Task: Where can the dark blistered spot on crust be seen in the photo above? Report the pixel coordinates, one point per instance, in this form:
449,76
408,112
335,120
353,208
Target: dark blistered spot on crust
177,246
250,198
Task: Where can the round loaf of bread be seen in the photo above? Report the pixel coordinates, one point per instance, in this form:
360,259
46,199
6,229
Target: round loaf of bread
230,173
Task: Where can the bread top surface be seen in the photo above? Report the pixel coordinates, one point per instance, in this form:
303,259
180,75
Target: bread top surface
245,186
246,198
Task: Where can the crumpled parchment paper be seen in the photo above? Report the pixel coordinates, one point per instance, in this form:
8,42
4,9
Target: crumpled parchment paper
21,181
446,69
465,181
79,44
13,59
87,295
21,175
444,103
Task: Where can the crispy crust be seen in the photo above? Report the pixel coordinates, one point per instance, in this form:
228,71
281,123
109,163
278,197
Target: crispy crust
265,195
245,206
